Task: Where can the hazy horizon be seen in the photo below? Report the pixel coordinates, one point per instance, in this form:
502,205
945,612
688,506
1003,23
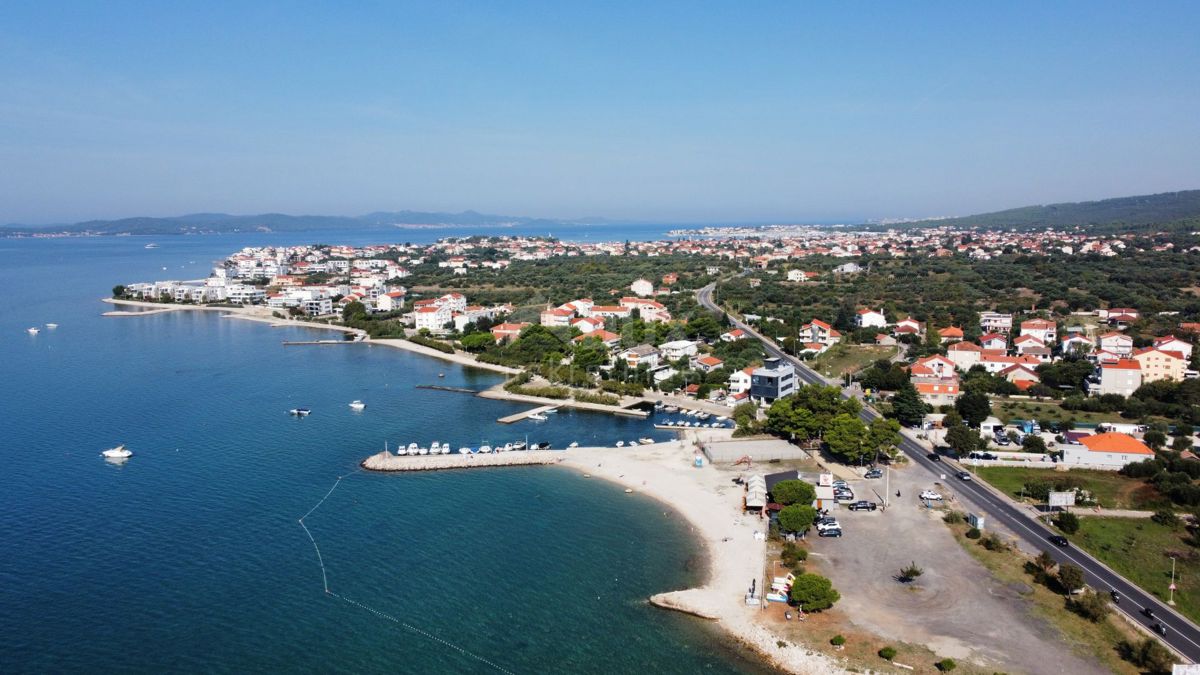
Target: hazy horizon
670,113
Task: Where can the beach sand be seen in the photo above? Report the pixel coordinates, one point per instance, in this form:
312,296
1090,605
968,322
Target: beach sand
712,504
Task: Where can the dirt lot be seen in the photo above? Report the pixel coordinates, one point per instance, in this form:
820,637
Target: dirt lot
956,608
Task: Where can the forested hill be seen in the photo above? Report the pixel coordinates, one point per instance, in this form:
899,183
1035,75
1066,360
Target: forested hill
1143,210
198,223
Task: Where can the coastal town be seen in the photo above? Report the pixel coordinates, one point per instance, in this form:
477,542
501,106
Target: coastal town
1080,394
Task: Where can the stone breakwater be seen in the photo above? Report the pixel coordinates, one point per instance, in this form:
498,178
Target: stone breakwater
386,461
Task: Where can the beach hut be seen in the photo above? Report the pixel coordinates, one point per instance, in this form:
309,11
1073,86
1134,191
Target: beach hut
756,494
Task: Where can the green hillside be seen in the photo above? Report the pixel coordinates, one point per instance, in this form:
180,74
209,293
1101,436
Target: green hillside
1142,210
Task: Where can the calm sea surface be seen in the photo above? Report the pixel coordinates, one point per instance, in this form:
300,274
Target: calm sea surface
189,557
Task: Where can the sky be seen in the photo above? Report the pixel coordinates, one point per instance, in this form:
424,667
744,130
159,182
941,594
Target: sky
652,111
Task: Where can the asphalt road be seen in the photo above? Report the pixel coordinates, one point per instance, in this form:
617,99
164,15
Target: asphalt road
1182,634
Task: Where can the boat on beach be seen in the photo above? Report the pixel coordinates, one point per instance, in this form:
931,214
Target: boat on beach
119,452
357,405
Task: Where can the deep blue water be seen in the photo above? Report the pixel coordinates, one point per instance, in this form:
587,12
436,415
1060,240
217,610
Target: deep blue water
189,557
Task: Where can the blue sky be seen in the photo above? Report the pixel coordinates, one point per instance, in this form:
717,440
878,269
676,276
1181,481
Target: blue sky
690,111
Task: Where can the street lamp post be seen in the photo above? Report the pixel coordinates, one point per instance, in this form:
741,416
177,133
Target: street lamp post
1171,601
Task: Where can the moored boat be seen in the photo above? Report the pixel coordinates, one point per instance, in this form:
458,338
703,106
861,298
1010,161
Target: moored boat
357,405
119,452
300,412
32,330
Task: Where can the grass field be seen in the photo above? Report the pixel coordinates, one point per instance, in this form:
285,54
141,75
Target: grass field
1141,551
842,358
1008,409
1111,489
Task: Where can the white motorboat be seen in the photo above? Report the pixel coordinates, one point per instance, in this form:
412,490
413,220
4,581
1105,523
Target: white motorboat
51,326
464,450
646,441
507,447
32,330
413,449
357,405
119,452
538,417
574,444
151,245
422,451
703,416
401,451
445,448
519,445
552,410
300,412
620,444
485,449
435,448
721,418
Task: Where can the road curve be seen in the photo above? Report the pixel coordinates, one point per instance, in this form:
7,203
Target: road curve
1182,635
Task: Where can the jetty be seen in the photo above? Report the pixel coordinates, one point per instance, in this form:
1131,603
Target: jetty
386,461
509,419
290,343
440,387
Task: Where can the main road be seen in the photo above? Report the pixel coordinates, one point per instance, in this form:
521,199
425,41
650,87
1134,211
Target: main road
1182,635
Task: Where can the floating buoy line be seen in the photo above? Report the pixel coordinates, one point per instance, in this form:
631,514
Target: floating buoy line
376,612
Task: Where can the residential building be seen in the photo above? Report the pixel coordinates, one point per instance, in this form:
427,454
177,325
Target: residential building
648,310
994,341
870,318
908,326
506,332
995,322
733,335
950,334
588,324
739,381
556,317
819,332
1117,343
774,380
1122,377
965,355
1043,329
707,364
642,288
1076,344
390,302
677,349
432,317
1171,343
318,306
996,362
641,355
1157,364
1021,375
1111,450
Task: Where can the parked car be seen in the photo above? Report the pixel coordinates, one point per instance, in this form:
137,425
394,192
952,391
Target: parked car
930,495
1059,540
1002,440
963,475
863,505
987,455
873,473
831,532
840,484
835,525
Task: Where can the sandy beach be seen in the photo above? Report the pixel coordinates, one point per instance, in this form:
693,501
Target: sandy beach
712,505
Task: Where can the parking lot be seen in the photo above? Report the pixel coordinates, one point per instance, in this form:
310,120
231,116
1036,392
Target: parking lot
956,607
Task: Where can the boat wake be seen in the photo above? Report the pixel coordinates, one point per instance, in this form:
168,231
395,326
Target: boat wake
382,615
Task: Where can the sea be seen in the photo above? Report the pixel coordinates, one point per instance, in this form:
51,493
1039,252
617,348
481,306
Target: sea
190,555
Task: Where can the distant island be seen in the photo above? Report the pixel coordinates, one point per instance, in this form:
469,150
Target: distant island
217,223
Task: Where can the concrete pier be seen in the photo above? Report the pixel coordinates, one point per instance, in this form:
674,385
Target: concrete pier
386,461
509,419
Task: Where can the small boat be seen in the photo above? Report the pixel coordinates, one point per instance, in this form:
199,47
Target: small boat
423,451
464,450
544,445
401,451
646,441
574,444
659,405
51,326
721,418
119,452
703,416
519,445
620,444
357,405
32,330
441,374
151,245
551,411
435,448
507,447
413,449
485,449
671,409
538,417
300,412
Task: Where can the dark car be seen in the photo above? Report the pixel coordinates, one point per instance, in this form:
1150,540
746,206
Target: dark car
987,455
934,457
831,532
873,473
1160,629
963,475
863,505
1059,540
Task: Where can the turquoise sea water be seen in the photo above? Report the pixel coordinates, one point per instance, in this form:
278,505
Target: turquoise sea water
189,557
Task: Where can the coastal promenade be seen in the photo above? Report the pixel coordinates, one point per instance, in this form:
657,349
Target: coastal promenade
499,393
